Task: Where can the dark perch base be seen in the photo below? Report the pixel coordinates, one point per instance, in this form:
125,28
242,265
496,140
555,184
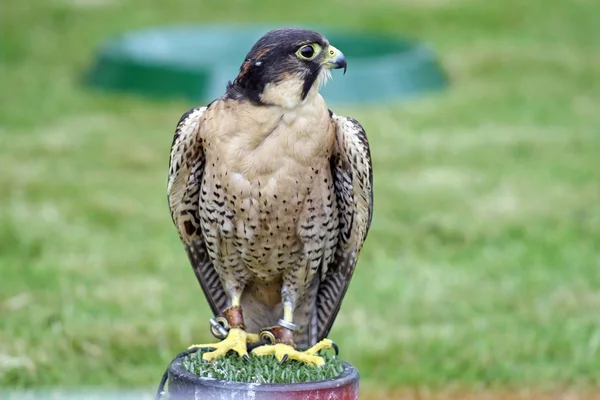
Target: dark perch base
185,385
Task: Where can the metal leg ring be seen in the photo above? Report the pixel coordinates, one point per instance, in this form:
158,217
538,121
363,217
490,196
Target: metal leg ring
288,325
218,327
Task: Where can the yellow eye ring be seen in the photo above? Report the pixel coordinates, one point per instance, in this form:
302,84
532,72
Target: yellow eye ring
308,51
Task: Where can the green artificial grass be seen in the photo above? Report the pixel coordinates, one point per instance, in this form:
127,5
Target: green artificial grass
264,369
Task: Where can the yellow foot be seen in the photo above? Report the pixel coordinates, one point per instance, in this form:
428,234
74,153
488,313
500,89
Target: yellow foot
285,352
325,344
236,340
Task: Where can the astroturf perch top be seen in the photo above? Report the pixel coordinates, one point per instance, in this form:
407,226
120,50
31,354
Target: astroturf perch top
264,370
271,194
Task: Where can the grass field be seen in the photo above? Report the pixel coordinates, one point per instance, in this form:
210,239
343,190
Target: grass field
482,269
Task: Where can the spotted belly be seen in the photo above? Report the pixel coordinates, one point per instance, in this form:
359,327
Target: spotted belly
267,227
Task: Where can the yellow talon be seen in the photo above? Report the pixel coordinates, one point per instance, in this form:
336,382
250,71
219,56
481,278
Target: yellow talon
236,340
285,352
325,344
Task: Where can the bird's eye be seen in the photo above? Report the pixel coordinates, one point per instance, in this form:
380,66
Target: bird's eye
309,51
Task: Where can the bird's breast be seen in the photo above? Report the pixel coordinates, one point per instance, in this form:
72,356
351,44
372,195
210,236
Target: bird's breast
258,219
261,180
261,140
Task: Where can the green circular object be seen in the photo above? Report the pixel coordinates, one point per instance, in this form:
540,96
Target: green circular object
196,62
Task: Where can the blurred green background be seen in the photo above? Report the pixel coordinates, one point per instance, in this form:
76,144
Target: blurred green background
482,268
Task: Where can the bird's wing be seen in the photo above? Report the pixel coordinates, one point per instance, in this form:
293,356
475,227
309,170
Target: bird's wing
186,168
353,183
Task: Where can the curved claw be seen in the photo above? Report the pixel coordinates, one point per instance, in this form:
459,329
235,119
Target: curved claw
335,348
283,359
246,357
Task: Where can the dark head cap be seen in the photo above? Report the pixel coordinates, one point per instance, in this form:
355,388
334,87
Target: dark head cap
284,54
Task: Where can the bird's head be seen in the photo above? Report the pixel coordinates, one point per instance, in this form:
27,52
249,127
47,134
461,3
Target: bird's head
286,67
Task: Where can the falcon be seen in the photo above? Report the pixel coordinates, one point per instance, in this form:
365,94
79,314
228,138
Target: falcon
272,196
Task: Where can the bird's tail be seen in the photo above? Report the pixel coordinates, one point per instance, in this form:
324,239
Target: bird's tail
258,315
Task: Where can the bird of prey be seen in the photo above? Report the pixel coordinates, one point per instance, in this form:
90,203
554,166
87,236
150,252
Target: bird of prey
271,194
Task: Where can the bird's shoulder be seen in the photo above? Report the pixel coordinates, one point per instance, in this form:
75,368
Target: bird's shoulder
349,131
194,132
186,159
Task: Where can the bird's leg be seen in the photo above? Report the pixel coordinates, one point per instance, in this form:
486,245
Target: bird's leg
284,348
237,338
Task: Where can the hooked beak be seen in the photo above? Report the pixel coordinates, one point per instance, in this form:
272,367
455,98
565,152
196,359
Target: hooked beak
334,59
